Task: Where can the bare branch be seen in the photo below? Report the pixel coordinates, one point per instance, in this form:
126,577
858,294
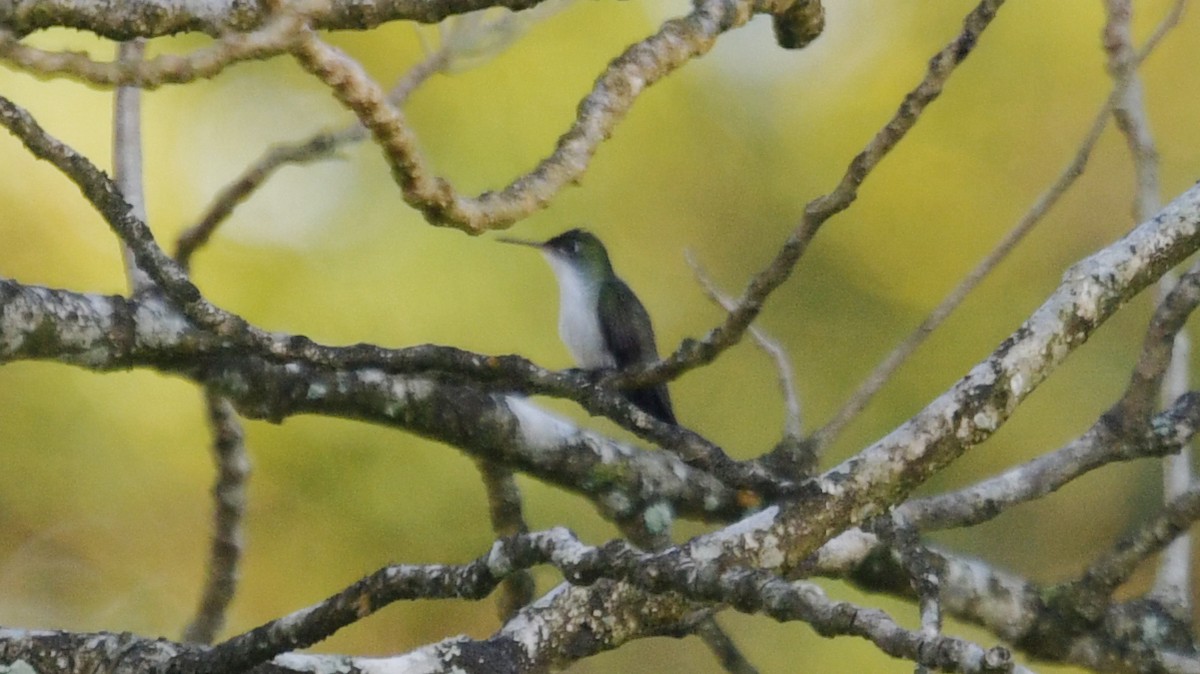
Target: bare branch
1154,362
694,353
699,579
923,567
273,38
106,333
192,239
127,156
229,495
173,280
1173,581
1130,112
317,147
723,647
504,506
783,365
643,64
1053,624
155,18
1097,447
1125,432
1115,567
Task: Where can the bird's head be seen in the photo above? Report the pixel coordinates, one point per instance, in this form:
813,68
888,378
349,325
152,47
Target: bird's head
576,248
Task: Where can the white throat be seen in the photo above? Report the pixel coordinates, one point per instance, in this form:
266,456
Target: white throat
578,316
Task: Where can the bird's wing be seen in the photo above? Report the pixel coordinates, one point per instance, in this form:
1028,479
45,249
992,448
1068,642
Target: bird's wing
630,340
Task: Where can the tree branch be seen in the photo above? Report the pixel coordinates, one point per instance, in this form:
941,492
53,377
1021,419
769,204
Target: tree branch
529,642
314,148
172,279
627,76
112,333
881,475
272,38
1100,445
694,353
229,497
505,509
1173,581
157,18
978,404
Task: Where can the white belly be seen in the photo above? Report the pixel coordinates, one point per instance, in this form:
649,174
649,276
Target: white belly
578,324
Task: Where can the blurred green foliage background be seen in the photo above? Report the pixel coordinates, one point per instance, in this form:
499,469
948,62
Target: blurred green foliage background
104,508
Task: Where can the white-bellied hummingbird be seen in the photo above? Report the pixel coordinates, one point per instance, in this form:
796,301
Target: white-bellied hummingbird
601,321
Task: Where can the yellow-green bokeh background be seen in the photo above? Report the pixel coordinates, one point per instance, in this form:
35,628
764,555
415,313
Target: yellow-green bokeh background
104,509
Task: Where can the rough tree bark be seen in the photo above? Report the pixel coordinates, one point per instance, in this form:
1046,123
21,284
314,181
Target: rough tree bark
774,521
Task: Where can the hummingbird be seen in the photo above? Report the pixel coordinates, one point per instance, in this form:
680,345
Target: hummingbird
601,321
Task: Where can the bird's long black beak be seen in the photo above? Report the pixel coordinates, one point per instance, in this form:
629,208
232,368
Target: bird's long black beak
520,242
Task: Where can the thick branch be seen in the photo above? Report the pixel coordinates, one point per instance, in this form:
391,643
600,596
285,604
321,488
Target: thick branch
155,18
982,401
544,634
107,333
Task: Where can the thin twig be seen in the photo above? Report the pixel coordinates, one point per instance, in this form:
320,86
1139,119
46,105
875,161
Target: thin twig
505,509
1173,579
1154,363
1114,567
319,146
127,155
229,497
273,38
792,423
791,456
724,648
1097,447
1048,199
618,87
923,567
674,570
695,353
